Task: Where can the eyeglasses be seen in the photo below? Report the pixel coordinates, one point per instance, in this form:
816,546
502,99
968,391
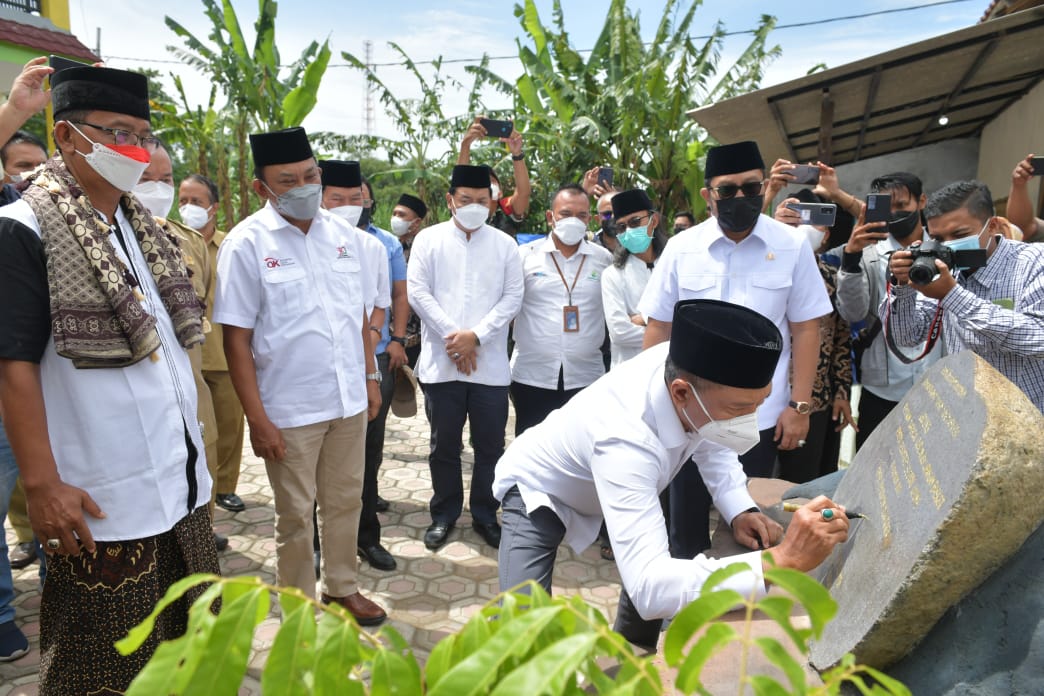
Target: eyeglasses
607,215
125,137
750,189
632,222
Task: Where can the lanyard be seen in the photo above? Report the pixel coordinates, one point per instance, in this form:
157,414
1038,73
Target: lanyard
569,288
933,330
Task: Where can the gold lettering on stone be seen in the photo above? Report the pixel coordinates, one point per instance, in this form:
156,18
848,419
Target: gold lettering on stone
944,412
905,456
954,384
911,478
886,522
926,423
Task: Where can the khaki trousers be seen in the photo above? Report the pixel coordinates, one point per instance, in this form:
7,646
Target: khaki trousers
324,463
229,415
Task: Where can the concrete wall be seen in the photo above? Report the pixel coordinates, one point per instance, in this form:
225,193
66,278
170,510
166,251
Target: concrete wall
1009,138
937,165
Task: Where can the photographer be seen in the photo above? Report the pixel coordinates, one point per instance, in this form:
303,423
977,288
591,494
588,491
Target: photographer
996,310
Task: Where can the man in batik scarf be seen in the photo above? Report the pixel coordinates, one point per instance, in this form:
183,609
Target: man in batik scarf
97,389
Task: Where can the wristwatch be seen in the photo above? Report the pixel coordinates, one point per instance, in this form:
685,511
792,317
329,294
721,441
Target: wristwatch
401,340
374,376
519,157
802,407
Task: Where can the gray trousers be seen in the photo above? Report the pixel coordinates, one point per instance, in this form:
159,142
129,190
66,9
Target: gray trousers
528,545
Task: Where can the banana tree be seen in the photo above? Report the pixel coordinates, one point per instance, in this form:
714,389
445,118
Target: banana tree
259,96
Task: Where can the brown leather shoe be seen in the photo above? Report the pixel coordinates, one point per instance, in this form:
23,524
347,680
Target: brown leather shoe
366,613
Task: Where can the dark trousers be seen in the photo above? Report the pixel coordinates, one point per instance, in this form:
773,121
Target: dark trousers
689,502
528,549
872,410
819,455
533,404
369,525
448,405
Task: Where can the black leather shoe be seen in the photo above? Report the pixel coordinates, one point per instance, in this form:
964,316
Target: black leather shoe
490,532
377,556
22,555
230,502
382,504
437,535
220,542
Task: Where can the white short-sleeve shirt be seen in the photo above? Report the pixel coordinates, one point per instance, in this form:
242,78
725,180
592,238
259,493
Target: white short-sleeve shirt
772,271
304,296
542,346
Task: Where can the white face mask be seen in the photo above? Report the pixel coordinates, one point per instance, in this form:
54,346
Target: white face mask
816,236
156,196
570,230
471,216
299,203
400,226
15,178
194,216
739,434
351,213
121,171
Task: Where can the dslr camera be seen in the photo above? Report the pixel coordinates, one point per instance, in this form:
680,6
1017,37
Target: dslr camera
923,270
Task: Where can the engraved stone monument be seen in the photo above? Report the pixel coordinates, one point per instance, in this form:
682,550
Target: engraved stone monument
951,483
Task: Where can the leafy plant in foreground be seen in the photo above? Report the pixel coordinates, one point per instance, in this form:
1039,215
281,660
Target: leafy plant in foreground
516,644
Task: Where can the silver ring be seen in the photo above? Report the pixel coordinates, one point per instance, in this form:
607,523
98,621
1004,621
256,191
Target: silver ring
54,544
801,443
456,356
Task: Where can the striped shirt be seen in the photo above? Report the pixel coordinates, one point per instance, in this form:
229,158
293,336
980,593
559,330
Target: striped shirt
998,312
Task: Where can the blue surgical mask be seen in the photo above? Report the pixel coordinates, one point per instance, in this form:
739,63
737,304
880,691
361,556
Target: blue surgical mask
966,243
635,240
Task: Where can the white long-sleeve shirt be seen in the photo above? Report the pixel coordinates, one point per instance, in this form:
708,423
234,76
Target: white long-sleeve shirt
615,467
460,284
622,288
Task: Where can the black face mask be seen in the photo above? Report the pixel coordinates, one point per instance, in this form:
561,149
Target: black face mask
364,219
903,223
740,213
609,228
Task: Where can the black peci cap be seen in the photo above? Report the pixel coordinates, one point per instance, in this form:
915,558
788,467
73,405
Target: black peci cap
732,159
632,201
280,147
100,89
470,176
725,343
341,174
413,203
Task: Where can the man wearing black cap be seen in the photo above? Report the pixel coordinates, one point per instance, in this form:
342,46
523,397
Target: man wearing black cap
344,195
741,256
292,294
465,282
694,398
407,218
97,388
640,241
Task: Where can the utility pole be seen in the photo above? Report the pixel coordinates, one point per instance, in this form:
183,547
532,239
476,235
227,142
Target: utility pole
368,125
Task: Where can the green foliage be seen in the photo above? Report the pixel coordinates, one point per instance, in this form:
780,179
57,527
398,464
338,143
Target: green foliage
259,96
516,645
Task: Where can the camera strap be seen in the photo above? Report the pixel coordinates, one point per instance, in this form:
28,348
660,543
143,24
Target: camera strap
934,329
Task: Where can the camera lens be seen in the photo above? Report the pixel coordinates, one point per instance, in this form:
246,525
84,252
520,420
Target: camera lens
923,271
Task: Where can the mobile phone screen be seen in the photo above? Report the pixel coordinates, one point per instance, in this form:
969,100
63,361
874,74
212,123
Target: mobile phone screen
605,176
805,174
497,129
878,207
1038,166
